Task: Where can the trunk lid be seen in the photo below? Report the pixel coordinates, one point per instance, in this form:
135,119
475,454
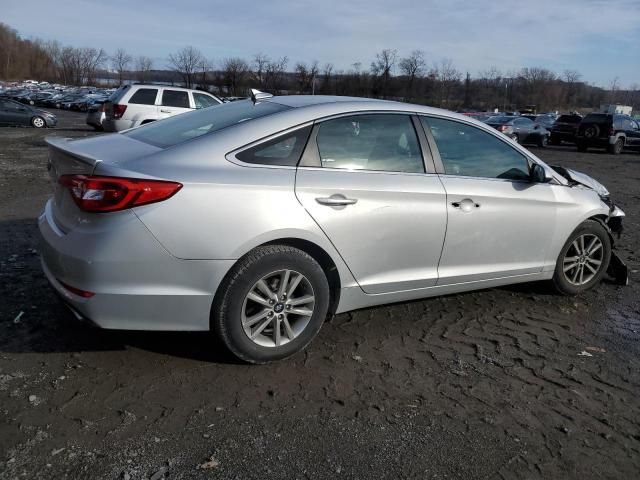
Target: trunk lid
81,157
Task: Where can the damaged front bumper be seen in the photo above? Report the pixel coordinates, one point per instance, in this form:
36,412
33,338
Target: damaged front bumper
617,269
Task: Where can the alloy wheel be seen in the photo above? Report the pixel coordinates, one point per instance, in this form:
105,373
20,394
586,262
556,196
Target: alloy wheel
583,259
278,308
38,122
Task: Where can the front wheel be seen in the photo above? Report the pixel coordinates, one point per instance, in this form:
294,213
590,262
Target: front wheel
584,259
38,122
271,304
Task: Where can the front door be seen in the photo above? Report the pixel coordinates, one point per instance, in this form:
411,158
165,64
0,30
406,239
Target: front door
362,179
500,224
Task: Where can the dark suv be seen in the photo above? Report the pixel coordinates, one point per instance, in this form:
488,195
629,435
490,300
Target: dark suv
604,130
564,128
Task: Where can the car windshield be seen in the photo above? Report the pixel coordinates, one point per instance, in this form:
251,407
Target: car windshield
179,128
499,119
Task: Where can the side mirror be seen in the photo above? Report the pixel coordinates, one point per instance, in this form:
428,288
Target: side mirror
538,174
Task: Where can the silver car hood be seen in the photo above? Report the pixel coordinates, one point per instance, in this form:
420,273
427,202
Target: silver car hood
583,179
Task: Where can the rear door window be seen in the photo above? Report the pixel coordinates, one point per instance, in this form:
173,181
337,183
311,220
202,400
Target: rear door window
144,96
382,142
175,98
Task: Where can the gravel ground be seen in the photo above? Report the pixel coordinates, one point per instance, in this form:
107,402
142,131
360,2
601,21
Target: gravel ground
511,383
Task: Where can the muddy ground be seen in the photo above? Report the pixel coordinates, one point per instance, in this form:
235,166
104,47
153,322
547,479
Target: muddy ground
490,384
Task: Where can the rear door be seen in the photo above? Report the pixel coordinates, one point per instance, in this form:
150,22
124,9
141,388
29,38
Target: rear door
173,102
363,180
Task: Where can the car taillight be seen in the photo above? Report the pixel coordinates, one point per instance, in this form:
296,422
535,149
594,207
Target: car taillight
118,110
110,194
76,291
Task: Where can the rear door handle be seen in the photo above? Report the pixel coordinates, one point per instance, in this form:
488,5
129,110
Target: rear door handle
165,111
336,201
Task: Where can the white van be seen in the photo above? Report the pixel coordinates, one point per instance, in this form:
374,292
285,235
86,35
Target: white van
133,105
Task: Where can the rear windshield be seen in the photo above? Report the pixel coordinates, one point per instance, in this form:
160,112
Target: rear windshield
597,118
177,129
569,119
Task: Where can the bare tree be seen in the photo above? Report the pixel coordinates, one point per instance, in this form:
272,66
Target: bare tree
327,73
412,67
447,77
186,62
143,67
382,68
260,64
274,71
235,71
306,76
120,62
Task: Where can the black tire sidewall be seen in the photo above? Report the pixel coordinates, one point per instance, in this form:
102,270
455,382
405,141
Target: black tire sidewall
559,280
227,321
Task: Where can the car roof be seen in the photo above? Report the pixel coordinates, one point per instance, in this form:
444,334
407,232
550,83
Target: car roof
334,104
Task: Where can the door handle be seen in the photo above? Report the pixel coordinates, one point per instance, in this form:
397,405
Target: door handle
465,205
336,201
165,111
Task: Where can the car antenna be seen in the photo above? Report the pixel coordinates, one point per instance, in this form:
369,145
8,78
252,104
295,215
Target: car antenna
257,95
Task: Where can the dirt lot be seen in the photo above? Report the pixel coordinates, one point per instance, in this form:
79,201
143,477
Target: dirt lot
489,384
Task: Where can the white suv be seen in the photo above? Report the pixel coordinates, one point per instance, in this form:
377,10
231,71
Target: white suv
133,105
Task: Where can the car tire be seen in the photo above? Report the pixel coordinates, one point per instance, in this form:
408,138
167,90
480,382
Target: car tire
578,255
38,122
543,141
616,148
279,331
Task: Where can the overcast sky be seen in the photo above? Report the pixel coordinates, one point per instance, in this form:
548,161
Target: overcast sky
599,38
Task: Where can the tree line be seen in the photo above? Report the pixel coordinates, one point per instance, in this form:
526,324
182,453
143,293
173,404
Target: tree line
389,75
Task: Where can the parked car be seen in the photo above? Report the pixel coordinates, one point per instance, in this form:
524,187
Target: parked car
95,115
520,129
604,130
14,113
546,120
564,129
133,105
257,218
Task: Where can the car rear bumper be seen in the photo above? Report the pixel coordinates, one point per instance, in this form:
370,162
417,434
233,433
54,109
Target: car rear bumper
136,283
112,125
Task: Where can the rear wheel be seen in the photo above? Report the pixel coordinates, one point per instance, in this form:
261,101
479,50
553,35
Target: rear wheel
38,122
584,259
543,141
271,304
616,148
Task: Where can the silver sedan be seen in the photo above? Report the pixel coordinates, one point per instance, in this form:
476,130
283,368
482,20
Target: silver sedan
258,218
